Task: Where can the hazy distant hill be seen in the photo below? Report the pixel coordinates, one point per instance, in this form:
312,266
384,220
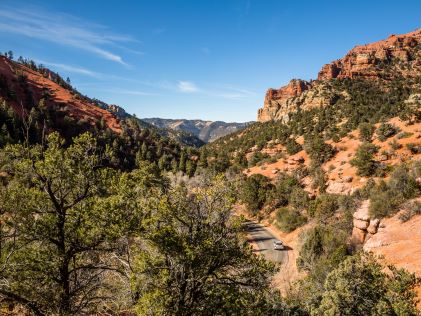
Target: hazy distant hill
208,131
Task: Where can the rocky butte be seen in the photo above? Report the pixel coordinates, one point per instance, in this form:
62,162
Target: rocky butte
397,56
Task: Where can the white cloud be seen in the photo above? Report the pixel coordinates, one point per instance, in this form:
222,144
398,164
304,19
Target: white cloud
63,30
187,87
70,68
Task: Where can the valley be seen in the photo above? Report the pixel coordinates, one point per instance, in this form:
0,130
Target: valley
314,209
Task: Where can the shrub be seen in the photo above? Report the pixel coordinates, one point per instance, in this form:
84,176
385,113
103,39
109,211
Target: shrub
404,135
414,148
395,145
299,198
288,220
403,183
254,192
383,203
284,186
318,150
322,245
319,179
366,131
386,130
412,208
293,147
359,286
324,206
256,158
364,161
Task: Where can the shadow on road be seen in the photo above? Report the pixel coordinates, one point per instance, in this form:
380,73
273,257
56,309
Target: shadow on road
257,239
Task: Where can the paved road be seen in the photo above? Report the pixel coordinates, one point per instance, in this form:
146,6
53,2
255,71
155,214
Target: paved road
264,240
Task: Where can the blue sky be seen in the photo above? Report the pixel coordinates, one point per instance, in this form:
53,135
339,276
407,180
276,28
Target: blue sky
193,59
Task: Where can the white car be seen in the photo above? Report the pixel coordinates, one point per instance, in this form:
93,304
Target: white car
278,245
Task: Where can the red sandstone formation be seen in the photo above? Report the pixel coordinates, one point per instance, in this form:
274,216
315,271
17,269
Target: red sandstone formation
396,56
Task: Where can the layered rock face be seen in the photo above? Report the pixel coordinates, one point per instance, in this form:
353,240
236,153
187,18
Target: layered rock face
397,56
298,93
364,227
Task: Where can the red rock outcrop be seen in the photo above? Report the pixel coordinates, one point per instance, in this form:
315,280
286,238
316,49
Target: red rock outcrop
396,56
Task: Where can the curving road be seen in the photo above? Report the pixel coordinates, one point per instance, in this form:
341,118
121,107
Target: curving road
263,238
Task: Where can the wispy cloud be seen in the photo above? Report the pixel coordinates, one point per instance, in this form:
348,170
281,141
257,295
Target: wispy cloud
63,29
70,68
187,87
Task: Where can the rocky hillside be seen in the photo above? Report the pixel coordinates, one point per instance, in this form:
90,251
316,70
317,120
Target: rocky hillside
35,101
336,162
395,57
207,131
23,85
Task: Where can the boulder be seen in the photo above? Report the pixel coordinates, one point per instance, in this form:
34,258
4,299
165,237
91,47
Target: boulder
368,236
360,224
362,212
358,236
374,225
347,179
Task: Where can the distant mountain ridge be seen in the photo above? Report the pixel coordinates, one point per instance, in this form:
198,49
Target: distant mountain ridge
207,131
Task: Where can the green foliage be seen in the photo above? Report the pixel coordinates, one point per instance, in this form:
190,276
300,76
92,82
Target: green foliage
355,101
299,198
414,148
256,158
366,131
254,192
386,198
324,206
364,159
63,215
284,186
386,130
288,220
319,178
323,249
194,260
292,146
360,287
318,150
411,209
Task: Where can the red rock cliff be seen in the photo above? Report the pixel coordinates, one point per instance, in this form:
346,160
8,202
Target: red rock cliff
396,56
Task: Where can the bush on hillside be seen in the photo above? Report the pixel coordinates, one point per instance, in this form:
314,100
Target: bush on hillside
299,198
293,147
322,245
386,198
411,209
386,130
284,186
414,148
366,131
288,220
364,159
324,206
318,150
254,192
